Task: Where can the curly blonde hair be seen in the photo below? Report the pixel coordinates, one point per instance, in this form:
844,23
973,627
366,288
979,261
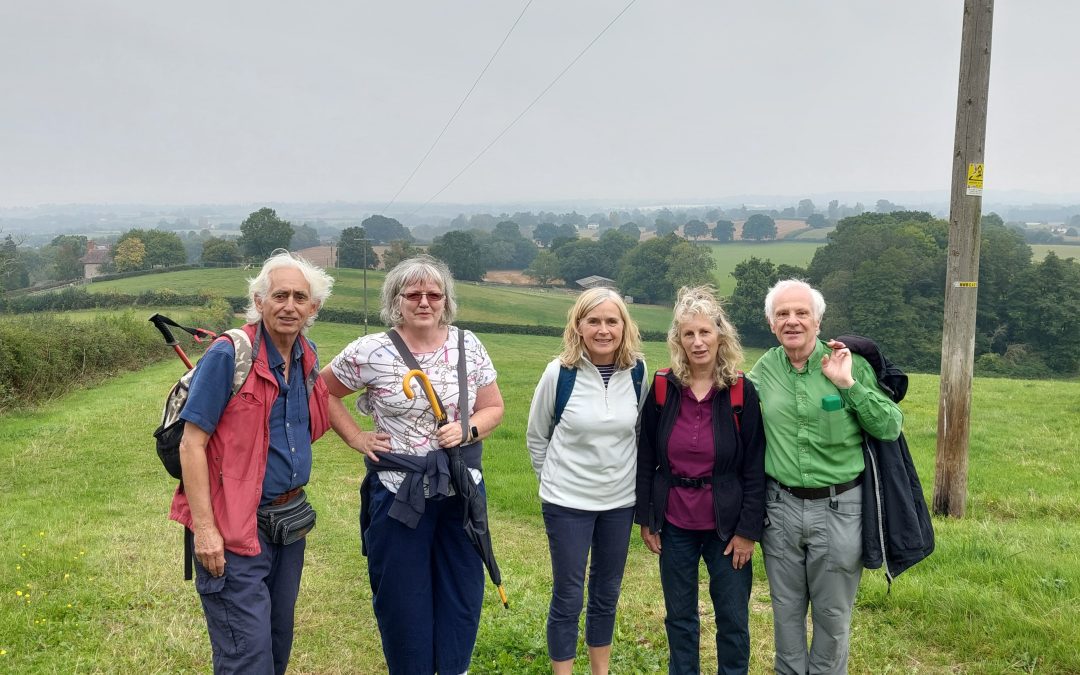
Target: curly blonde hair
702,301
573,349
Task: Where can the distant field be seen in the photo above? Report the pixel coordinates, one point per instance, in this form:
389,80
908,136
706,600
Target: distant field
495,304
727,256
1039,251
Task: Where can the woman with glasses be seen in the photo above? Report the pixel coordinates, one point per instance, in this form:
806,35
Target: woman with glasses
427,581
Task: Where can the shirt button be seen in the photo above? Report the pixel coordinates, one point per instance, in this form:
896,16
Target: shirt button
286,425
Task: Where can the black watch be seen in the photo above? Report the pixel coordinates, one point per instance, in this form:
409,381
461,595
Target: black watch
474,434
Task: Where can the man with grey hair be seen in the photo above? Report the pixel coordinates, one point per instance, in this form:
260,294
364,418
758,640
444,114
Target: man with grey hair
817,399
245,459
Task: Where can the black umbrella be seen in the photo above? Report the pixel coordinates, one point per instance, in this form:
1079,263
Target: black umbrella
476,518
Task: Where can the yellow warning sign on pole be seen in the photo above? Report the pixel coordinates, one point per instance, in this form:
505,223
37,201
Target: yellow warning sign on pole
975,180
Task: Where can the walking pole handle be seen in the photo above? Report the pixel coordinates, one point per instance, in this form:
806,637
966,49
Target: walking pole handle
159,323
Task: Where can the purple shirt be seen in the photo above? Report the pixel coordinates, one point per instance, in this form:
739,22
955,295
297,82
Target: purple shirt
692,453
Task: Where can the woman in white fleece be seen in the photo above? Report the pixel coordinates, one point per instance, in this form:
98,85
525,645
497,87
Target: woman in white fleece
586,461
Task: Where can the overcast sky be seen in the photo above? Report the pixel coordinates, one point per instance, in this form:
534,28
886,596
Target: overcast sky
249,101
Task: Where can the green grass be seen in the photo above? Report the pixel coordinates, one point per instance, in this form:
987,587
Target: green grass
84,534
729,255
476,302
1039,251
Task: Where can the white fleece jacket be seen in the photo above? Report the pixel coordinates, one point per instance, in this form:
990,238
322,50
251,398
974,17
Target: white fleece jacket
589,461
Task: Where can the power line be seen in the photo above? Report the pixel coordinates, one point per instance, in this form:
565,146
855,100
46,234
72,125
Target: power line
527,108
463,100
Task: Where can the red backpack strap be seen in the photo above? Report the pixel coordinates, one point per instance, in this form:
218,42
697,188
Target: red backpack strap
660,386
736,396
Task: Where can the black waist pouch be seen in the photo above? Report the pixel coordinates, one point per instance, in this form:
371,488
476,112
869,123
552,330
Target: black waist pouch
289,522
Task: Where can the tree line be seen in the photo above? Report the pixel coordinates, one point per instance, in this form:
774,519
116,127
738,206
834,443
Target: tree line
883,275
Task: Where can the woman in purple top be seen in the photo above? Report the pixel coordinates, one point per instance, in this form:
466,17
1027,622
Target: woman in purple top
701,482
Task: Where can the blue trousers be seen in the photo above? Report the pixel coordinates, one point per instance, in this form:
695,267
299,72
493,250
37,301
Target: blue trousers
249,609
572,534
427,586
681,550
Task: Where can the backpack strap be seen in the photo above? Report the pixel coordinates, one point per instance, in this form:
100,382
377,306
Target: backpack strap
660,386
736,396
563,389
637,374
245,354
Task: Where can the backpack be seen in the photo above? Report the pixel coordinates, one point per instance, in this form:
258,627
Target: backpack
171,430
660,392
568,376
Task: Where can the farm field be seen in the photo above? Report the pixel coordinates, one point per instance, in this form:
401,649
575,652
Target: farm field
729,255
476,302
1039,251
92,572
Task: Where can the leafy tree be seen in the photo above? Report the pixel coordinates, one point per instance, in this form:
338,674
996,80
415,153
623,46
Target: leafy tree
724,230
354,250
383,230
129,254
990,219
690,265
696,229
631,230
545,233
304,236
1046,312
544,268
217,250
512,249
66,249
746,308
713,215
806,208
759,226
665,227
566,231
816,221
399,250
162,248
643,272
582,258
615,245
13,272
262,232
885,206
1003,259
461,254
834,210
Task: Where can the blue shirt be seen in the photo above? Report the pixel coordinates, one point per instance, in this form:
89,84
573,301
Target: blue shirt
288,462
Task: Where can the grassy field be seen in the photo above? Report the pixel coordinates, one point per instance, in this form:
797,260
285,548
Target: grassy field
92,581
476,302
729,255
1039,251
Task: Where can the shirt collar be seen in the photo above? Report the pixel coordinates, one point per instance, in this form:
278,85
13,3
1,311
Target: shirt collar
813,362
274,359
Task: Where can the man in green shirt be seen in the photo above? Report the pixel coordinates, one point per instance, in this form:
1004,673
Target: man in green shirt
817,399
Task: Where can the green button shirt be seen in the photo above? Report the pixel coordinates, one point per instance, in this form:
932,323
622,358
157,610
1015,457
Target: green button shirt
808,445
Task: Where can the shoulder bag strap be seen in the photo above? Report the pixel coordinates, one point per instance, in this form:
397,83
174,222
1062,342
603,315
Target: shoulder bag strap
463,387
409,359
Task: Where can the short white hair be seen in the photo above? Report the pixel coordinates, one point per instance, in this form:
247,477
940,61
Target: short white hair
319,283
817,300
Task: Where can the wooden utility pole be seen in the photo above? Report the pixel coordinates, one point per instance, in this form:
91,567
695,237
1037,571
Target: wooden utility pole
962,275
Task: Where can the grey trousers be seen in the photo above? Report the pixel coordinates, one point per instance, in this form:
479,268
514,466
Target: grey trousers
813,557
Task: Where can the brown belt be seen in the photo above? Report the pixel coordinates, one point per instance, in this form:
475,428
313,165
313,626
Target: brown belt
821,492
286,497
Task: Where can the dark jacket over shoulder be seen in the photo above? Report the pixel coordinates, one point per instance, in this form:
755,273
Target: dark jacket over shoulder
897,531
738,476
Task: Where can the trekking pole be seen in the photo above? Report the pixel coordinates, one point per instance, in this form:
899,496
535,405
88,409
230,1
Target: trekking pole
162,323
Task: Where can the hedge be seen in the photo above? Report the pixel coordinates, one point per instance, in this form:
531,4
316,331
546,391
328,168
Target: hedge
43,356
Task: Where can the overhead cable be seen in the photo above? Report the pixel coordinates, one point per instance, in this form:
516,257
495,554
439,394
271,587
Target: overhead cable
463,100
527,108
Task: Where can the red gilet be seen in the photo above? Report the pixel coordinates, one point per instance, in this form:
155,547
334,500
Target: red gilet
236,452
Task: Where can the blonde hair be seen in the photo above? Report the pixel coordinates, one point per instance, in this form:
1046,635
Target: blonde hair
573,348
702,301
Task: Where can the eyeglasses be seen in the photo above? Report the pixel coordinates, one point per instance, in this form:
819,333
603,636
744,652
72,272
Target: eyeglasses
414,296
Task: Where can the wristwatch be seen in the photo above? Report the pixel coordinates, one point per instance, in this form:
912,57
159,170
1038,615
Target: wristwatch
474,434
